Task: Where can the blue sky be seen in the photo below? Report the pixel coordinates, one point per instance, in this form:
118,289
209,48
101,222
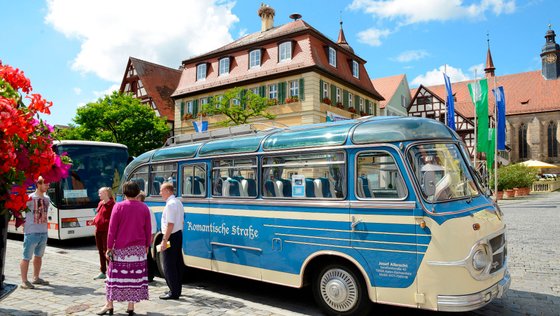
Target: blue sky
75,51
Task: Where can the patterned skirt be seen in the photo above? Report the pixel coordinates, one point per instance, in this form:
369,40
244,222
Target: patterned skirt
127,275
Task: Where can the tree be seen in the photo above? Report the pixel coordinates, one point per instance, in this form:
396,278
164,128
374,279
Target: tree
119,118
238,105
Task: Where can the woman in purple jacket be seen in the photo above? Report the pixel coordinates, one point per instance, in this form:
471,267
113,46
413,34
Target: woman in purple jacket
130,231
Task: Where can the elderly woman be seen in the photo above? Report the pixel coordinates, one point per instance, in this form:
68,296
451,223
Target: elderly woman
101,223
130,232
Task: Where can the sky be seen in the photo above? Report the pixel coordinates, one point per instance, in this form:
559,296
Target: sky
75,51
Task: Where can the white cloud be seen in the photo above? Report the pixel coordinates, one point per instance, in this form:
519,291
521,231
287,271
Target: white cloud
161,32
477,71
373,36
108,91
77,91
414,11
411,55
435,76
242,32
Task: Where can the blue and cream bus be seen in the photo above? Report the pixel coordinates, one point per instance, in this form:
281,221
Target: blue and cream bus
386,210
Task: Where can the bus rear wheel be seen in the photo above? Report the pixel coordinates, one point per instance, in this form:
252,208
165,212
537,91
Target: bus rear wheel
339,290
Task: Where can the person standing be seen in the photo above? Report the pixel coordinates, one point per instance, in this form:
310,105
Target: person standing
172,228
35,234
129,236
101,223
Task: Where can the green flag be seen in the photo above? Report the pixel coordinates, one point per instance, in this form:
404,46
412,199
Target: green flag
479,95
491,148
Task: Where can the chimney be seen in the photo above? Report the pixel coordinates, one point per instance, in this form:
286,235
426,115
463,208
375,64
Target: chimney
267,17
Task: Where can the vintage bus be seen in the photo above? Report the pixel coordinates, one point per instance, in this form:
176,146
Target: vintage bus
75,198
386,210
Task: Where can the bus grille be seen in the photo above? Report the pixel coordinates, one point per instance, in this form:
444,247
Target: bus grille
499,252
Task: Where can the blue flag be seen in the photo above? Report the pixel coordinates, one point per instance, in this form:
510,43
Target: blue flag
200,126
450,103
501,120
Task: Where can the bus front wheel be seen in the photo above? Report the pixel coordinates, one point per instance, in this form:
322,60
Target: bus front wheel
339,290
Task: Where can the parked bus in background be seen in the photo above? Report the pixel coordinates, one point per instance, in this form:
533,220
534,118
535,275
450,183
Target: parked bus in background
386,210
75,198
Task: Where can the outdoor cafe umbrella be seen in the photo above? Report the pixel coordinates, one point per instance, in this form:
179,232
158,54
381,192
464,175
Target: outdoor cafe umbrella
537,164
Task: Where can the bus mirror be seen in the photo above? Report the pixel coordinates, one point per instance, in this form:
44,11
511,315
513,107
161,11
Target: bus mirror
429,183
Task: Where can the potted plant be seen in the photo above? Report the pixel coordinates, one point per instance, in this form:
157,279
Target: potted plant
362,113
339,105
352,110
326,101
292,99
187,116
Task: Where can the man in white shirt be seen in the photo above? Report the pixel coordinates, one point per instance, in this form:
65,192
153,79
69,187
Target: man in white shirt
172,220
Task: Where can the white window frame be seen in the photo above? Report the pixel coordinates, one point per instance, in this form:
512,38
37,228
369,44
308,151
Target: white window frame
255,58
355,69
332,56
294,88
350,101
338,96
285,51
273,91
190,107
362,105
203,101
255,90
224,66
326,90
201,71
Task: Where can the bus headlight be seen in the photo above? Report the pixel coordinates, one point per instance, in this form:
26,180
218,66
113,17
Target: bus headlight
481,258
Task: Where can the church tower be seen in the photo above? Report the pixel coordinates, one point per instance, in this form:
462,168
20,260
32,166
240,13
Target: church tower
550,55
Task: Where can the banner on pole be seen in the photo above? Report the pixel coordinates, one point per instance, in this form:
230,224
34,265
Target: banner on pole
450,104
501,117
479,94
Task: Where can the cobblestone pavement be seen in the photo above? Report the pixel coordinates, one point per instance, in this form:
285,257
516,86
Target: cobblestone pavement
534,262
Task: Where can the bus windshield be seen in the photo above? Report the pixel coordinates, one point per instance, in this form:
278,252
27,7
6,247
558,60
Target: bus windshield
93,167
441,172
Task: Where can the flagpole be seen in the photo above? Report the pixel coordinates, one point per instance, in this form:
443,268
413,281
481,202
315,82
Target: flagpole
447,99
495,143
475,131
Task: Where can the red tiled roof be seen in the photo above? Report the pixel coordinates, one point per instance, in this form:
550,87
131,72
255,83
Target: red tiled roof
387,87
308,53
526,92
159,82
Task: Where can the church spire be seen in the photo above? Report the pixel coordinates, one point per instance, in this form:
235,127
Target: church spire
550,56
342,39
489,70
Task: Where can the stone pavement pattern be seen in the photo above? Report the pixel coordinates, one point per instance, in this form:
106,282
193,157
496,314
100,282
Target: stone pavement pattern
534,261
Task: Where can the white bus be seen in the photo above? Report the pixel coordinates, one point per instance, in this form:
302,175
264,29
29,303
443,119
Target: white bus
74,199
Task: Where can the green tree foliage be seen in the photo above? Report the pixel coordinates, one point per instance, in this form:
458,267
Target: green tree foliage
119,118
238,105
514,176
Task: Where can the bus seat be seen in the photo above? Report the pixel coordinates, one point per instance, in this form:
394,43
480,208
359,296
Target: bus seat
159,179
363,187
309,187
156,185
286,187
401,192
270,189
251,187
188,186
198,185
442,187
231,188
279,188
325,187
140,183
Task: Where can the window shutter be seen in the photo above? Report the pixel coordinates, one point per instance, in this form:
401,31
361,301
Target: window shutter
195,108
262,91
301,90
345,98
182,109
321,90
356,102
333,94
242,97
368,111
281,92
374,109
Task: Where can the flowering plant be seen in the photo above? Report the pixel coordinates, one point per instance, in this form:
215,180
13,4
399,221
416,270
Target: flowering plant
326,101
292,99
25,142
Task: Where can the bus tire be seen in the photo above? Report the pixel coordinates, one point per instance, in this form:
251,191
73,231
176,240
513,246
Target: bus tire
339,290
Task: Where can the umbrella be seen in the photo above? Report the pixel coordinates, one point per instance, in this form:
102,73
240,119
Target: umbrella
538,164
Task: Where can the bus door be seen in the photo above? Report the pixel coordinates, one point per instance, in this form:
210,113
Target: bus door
383,226
233,228
196,245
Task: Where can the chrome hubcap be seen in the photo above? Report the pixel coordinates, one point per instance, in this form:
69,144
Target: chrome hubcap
339,290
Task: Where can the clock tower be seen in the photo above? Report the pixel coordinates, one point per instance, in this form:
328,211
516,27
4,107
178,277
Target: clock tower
550,56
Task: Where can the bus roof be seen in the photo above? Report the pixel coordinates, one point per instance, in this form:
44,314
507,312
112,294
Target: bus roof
359,131
88,143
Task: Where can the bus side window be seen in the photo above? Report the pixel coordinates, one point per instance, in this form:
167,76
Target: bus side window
234,177
140,176
161,173
194,180
378,177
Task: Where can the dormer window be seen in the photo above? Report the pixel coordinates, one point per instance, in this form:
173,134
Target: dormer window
332,56
224,66
255,58
355,69
285,51
201,72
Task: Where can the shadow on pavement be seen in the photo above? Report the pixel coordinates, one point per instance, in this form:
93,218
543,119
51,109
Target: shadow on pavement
16,312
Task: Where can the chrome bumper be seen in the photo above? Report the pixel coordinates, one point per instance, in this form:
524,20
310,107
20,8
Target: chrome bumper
464,303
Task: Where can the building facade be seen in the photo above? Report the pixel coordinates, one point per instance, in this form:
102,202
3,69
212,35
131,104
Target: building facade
307,74
396,92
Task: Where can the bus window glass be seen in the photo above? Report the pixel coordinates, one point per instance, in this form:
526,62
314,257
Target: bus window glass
441,172
234,177
93,167
140,176
162,173
378,177
317,175
194,180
